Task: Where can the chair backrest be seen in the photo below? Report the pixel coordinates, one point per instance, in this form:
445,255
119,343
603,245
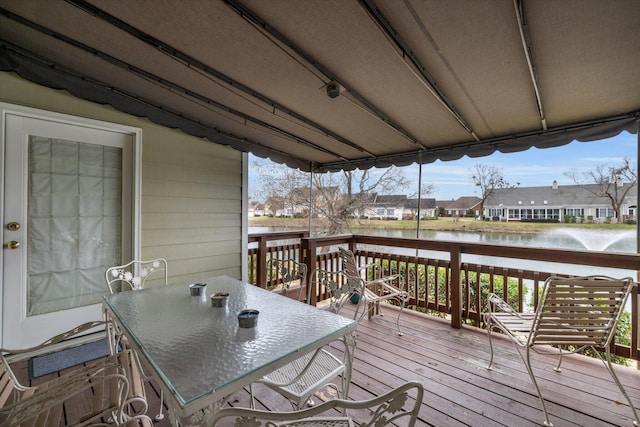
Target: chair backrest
289,271
338,288
133,275
349,264
580,311
400,406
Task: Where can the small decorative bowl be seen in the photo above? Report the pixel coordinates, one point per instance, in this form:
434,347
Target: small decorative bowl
248,318
219,299
197,289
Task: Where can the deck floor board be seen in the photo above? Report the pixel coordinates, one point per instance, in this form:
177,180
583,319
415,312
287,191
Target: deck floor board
459,390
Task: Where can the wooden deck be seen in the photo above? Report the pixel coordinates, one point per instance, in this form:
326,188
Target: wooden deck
459,390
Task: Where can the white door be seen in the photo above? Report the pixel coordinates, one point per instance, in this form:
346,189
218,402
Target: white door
68,215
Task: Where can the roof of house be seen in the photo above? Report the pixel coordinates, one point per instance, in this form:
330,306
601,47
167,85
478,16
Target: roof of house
461,203
424,204
393,200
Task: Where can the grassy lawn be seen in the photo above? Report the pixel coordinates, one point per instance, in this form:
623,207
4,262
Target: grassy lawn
444,224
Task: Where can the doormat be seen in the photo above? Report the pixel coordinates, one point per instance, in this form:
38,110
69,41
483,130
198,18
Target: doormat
63,359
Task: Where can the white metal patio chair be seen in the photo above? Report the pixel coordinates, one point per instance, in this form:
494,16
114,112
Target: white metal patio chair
399,407
110,387
574,313
132,276
300,379
377,287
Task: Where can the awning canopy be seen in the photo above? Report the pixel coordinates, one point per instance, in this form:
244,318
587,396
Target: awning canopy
344,84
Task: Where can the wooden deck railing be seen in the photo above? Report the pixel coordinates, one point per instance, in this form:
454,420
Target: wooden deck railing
264,246
429,279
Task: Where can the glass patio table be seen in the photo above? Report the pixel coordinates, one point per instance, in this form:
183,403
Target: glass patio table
198,353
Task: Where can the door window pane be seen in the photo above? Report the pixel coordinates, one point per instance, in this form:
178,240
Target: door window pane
75,193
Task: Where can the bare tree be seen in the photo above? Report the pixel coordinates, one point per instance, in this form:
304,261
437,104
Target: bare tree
337,197
279,186
612,182
343,195
488,178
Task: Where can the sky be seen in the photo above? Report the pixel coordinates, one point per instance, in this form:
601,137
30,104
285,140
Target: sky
531,168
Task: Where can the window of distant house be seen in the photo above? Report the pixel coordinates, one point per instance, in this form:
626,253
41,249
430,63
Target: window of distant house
493,212
380,211
605,213
574,211
391,212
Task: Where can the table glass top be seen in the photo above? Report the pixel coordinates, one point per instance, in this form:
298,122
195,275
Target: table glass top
198,349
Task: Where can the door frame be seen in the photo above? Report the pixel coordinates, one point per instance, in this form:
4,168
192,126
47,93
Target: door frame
136,173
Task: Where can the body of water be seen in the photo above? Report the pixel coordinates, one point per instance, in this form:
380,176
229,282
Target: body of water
622,241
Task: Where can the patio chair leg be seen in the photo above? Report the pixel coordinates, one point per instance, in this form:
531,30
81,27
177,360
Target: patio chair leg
609,366
527,363
398,320
557,368
488,322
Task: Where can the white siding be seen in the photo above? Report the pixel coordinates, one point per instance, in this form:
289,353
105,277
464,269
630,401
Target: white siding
192,200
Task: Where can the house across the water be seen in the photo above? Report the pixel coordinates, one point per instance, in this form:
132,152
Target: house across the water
563,203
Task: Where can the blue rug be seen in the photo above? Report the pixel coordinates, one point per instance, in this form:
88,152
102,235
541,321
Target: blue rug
63,359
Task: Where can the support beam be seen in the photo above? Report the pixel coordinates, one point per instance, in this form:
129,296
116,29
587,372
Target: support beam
526,45
304,57
193,63
420,70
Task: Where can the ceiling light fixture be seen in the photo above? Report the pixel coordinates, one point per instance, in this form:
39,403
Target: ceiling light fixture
333,89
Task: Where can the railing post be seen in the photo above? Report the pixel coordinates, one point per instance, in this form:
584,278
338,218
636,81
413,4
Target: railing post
308,252
456,289
261,269
352,245
635,331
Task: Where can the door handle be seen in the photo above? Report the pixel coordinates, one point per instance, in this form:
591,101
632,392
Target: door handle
12,245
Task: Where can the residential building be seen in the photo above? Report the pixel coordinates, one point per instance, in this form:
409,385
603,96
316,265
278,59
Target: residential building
254,208
427,208
460,206
576,203
385,206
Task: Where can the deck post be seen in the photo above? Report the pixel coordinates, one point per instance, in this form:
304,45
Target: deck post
308,253
262,262
456,289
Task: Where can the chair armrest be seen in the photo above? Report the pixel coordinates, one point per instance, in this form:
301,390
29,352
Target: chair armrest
383,281
501,306
57,339
494,300
377,268
386,284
